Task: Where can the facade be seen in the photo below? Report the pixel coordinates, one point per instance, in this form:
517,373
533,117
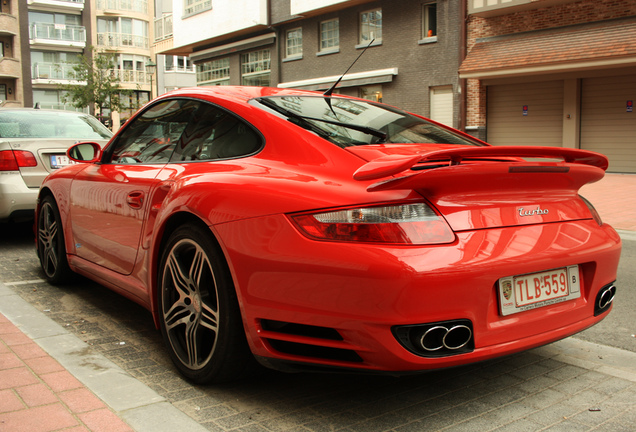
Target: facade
411,60
43,38
554,73
11,74
173,71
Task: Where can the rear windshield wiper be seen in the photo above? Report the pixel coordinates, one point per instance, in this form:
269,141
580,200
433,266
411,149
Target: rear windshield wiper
304,119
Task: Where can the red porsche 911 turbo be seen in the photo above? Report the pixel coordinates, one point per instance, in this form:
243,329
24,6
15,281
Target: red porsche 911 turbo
312,233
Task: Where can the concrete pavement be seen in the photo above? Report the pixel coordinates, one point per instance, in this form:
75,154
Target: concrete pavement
51,379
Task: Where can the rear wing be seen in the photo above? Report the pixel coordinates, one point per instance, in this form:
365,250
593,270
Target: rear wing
501,161
392,165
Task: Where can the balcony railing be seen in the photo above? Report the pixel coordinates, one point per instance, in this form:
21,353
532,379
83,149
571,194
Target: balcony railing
53,71
71,4
163,27
57,32
488,8
123,5
60,106
118,40
130,76
177,68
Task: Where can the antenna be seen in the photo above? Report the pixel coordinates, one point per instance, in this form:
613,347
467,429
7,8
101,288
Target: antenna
333,87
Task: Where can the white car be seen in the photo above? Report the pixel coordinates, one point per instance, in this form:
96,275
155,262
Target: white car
33,143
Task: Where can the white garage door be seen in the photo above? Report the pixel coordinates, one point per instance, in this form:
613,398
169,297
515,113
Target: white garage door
608,125
525,114
442,105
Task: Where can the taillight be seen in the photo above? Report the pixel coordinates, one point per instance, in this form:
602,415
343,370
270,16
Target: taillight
13,160
397,224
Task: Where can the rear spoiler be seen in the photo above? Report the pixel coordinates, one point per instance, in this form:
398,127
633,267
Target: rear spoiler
391,165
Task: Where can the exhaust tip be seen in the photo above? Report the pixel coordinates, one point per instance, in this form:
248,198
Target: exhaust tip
438,339
604,299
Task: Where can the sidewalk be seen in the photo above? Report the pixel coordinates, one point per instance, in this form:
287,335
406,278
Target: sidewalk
51,380
614,196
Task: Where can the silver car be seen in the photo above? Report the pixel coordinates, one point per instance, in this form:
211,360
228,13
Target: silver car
33,143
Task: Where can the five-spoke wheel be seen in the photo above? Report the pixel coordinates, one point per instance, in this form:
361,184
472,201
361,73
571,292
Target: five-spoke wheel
51,249
200,318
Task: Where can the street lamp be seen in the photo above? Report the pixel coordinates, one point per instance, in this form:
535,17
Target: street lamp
151,68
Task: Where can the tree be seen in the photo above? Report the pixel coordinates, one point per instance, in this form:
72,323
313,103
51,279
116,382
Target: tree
95,83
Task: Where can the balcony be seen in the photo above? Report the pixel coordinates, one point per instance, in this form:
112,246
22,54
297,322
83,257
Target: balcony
179,68
50,73
163,27
140,6
57,34
130,76
121,41
59,5
9,25
60,106
490,8
10,68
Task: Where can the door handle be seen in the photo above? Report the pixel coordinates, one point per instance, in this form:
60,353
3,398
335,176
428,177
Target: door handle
135,200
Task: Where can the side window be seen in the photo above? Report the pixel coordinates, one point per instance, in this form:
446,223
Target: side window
215,134
153,136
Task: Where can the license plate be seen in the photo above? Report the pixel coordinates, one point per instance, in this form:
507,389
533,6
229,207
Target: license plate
59,161
530,291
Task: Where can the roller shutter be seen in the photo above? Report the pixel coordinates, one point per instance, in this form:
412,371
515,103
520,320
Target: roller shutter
542,123
442,105
607,125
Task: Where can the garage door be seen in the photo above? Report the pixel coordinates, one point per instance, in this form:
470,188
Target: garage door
608,125
442,105
525,114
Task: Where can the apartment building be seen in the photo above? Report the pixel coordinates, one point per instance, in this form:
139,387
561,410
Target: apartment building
411,59
42,39
553,73
11,81
173,71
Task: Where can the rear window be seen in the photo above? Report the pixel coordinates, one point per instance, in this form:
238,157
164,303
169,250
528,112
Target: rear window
51,124
354,122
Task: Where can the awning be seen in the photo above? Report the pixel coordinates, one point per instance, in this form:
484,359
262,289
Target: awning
590,46
378,76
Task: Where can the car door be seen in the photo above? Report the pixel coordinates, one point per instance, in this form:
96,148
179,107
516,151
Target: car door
109,200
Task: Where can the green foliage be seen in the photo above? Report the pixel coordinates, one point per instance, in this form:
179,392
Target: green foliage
102,88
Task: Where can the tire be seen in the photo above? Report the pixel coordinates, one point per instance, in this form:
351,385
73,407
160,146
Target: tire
199,313
51,247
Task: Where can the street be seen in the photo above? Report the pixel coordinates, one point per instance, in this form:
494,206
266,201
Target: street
539,389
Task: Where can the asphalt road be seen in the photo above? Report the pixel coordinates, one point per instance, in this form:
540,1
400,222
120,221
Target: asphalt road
618,329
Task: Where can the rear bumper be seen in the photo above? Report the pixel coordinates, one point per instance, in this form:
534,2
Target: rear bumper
350,297
16,199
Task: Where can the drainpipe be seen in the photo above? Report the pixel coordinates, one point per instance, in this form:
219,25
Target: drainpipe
463,97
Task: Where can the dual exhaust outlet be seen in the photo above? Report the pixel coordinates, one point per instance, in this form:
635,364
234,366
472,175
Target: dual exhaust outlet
440,339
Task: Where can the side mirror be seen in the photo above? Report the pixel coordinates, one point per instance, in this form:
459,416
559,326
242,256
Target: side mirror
89,152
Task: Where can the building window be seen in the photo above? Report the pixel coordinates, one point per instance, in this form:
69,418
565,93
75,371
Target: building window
371,26
429,20
177,64
330,35
372,93
256,68
193,7
3,92
294,43
214,72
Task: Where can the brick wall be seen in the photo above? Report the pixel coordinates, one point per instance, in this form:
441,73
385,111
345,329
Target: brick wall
568,14
420,66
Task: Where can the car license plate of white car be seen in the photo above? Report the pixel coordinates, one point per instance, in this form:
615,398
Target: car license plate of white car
530,291
59,161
